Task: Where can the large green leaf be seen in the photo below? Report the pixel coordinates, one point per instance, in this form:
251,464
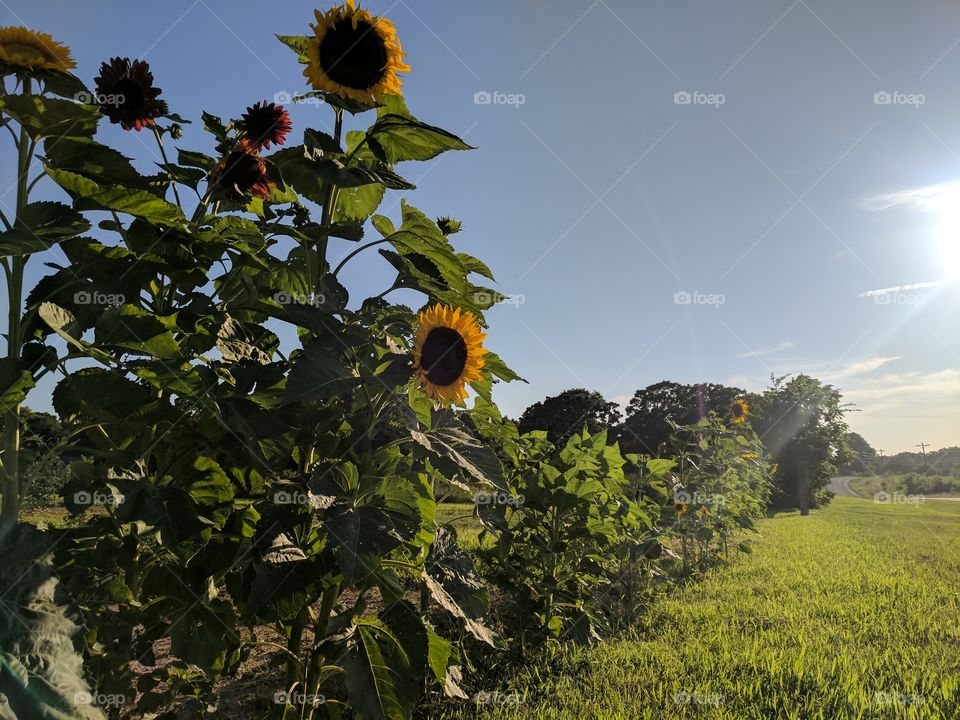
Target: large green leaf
45,116
41,672
455,586
318,373
91,195
98,162
395,138
40,225
385,663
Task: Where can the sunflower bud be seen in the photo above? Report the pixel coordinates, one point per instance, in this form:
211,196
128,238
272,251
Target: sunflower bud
449,226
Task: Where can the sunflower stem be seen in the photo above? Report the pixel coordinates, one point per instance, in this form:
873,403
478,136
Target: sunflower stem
11,426
329,206
163,154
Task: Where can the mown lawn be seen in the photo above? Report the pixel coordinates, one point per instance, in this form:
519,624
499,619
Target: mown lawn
852,612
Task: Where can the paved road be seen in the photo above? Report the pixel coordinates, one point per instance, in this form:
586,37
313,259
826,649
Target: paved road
841,486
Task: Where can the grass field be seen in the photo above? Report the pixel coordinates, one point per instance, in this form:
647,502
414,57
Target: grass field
852,612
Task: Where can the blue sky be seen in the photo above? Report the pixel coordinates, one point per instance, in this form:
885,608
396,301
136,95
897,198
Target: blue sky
775,163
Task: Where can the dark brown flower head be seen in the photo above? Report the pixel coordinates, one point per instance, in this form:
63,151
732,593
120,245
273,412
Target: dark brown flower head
264,123
240,175
126,93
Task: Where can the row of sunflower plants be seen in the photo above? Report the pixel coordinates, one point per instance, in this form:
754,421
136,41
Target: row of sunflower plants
257,448
722,485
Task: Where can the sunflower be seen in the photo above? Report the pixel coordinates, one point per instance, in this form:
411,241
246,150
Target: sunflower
448,352
239,175
740,411
264,123
354,55
127,95
23,49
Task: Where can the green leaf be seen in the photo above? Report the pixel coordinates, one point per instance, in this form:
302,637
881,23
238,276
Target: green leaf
195,159
214,125
98,162
357,204
91,195
15,383
395,138
455,585
297,43
318,373
41,225
45,116
385,663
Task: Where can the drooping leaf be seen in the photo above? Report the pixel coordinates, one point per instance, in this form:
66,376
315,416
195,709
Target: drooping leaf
46,116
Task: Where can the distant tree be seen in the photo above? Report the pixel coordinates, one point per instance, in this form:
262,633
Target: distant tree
568,413
647,425
44,470
864,457
800,421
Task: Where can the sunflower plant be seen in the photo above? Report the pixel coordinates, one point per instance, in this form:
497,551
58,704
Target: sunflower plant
259,453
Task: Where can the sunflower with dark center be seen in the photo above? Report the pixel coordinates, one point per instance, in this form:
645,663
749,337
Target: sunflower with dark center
22,49
354,55
240,175
448,352
264,123
127,95
739,411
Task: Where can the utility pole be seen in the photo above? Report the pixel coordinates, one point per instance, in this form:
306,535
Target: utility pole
923,451
880,464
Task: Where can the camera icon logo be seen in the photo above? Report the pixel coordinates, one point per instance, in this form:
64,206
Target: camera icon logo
682,298
682,98
882,98
482,98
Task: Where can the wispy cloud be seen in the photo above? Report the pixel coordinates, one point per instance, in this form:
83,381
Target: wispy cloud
860,367
928,198
779,347
903,288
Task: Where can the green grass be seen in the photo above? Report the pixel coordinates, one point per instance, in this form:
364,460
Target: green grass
852,612
461,516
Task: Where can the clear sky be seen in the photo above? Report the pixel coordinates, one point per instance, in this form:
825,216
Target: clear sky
776,161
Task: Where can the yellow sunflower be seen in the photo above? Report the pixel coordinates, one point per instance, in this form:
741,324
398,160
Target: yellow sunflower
448,352
354,55
24,49
740,411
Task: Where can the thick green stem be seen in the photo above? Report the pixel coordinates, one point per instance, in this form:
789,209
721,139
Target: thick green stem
163,154
11,441
329,208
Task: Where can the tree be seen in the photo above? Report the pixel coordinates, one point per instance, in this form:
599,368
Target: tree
864,456
653,408
569,413
801,423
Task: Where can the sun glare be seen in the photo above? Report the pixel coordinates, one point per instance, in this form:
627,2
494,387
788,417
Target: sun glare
948,233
